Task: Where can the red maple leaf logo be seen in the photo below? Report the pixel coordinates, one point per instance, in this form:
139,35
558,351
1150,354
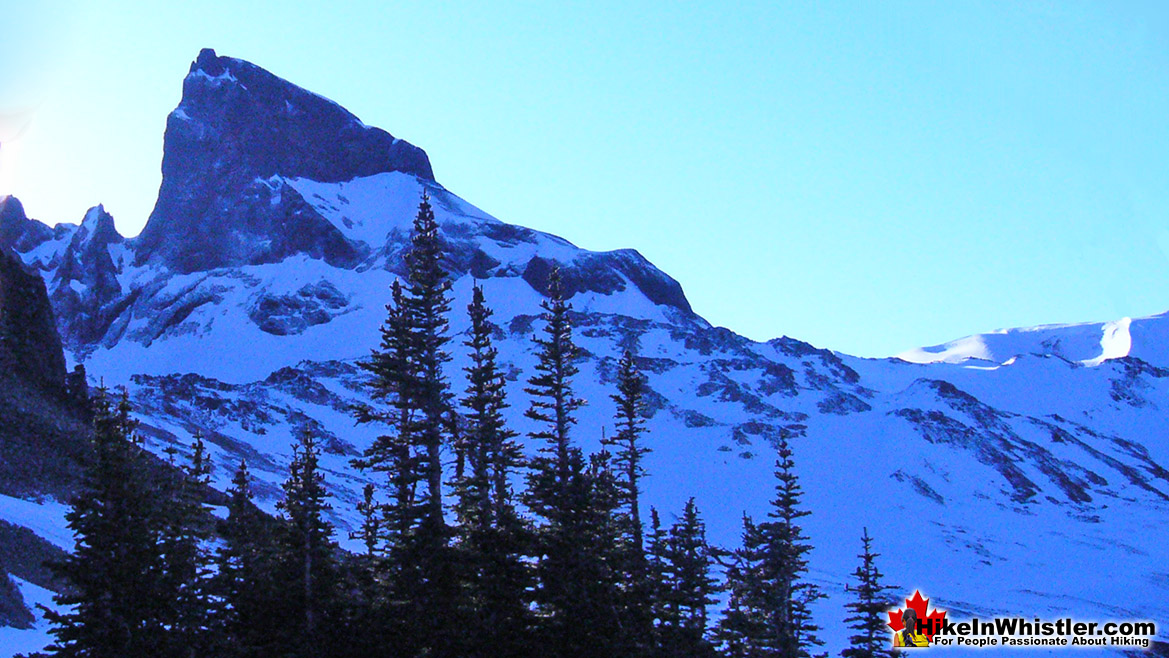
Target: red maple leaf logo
920,606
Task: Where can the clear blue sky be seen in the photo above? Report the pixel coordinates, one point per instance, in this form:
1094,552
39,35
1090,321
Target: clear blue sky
865,176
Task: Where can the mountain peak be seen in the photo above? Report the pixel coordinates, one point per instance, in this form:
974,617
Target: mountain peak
17,231
12,220
98,225
238,125
207,61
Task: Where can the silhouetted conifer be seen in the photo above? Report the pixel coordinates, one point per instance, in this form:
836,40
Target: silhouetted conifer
493,538
628,451
421,577
185,570
305,559
371,522
560,492
868,609
628,448
767,612
687,587
244,620
118,600
553,404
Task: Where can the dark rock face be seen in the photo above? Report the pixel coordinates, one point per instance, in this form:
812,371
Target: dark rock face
87,278
1131,384
29,343
606,273
17,231
42,421
259,223
13,611
283,315
25,556
237,127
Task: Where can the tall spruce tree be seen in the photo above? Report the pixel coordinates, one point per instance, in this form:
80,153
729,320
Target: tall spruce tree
658,574
578,603
440,598
391,373
427,306
109,607
422,579
137,574
185,569
744,622
628,452
687,589
867,618
393,581
628,449
593,567
767,612
554,404
306,563
243,620
488,443
493,537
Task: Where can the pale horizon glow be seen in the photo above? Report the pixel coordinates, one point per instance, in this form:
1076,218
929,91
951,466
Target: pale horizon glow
870,179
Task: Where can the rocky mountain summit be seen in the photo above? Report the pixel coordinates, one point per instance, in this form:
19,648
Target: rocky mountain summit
1013,478
236,127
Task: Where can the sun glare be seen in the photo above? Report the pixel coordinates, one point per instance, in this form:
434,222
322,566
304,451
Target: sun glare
12,125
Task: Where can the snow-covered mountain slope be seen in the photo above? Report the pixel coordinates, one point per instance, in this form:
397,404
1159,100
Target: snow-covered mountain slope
1029,481
1088,343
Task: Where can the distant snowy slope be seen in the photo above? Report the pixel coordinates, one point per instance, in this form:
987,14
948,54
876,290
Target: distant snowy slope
1089,343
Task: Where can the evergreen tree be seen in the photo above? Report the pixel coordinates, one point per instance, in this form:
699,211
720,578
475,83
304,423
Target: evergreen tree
658,575
244,624
627,457
305,551
566,493
767,612
554,403
422,581
629,450
688,588
584,564
579,576
493,536
436,583
871,639
109,609
185,568
391,585
361,614
392,454
426,307
371,523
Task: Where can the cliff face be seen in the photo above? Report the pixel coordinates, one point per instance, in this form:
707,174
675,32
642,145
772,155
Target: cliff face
30,347
237,127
